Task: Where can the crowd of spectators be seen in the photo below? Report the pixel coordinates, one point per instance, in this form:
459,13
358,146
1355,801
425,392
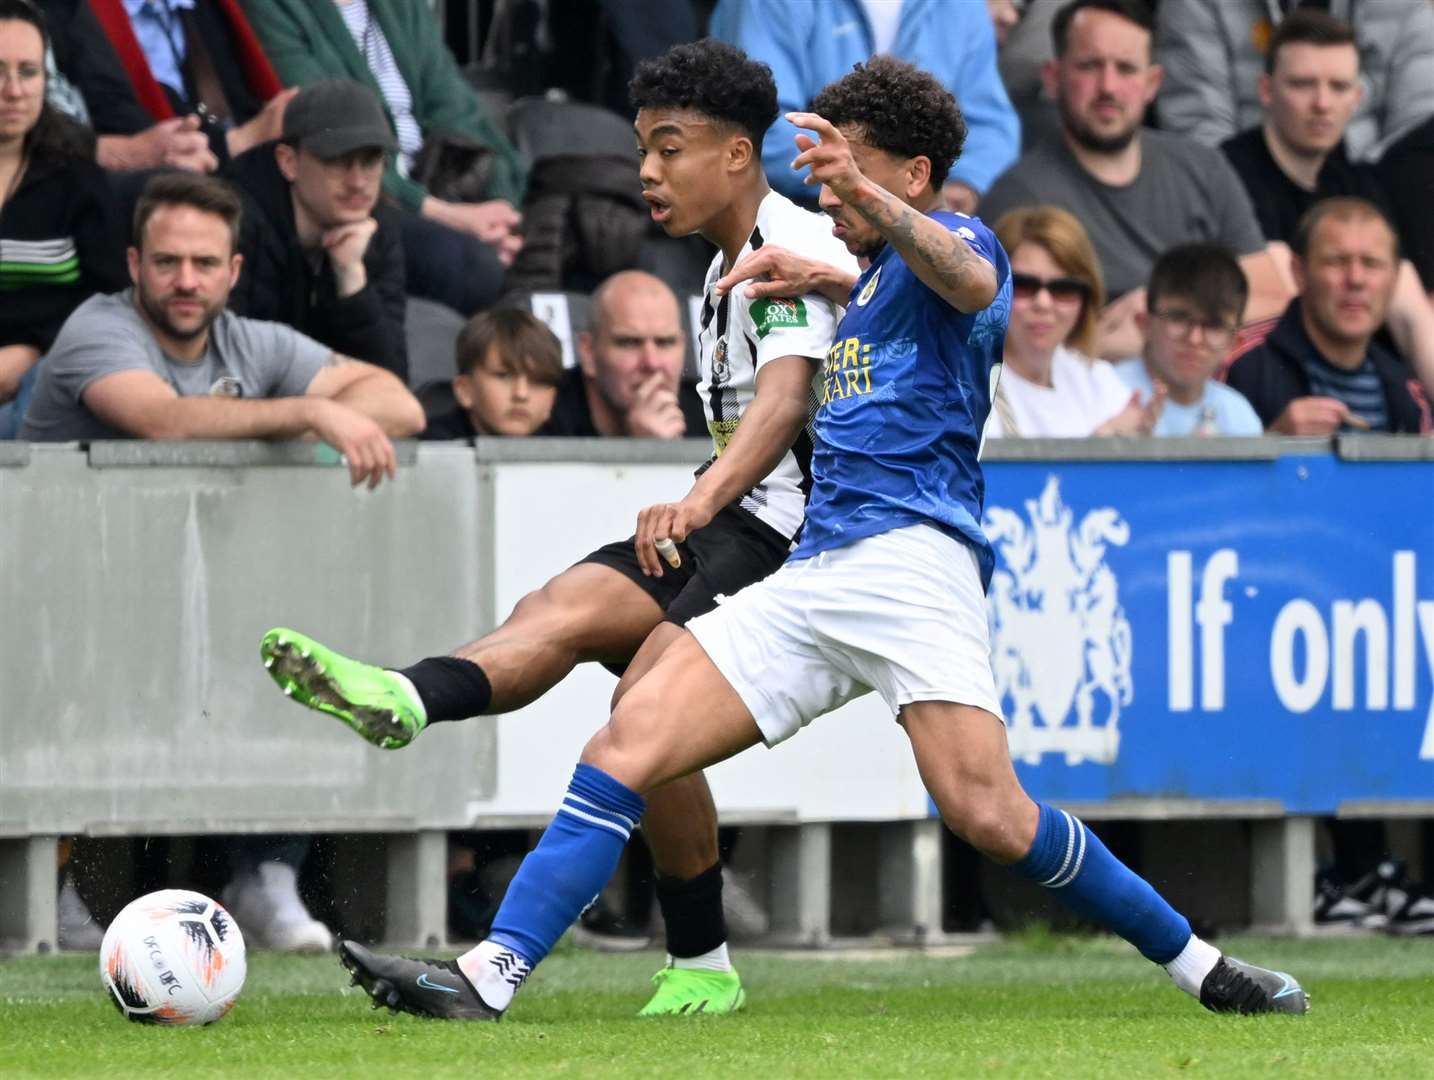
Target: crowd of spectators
1216,213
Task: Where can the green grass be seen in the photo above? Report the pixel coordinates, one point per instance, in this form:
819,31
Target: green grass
1034,1006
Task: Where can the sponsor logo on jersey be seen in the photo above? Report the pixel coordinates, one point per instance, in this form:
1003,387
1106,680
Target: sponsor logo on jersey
868,289
1060,642
846,371
721,432
778,313
721,370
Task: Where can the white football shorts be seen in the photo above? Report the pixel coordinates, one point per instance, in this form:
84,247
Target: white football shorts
901,613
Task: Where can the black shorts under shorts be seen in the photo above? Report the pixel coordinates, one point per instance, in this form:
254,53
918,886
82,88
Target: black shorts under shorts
726,555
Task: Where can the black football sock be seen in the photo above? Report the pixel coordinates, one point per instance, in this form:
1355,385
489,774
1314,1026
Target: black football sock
692,911
450,687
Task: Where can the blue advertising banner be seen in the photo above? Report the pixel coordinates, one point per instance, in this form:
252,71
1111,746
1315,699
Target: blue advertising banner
1216,629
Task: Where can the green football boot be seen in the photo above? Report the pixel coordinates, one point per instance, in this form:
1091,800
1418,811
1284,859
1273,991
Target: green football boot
685,992
368,699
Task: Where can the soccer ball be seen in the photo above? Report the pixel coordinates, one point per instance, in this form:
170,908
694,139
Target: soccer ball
173,957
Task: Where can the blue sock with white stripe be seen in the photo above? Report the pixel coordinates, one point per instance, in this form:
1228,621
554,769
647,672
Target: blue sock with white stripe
1070,859
570,865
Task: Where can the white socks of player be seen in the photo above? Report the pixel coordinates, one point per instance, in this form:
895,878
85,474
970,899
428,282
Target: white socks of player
714,960
1195,961
495,972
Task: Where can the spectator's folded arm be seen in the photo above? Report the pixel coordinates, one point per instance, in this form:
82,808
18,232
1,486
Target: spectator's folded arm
142,404
371,391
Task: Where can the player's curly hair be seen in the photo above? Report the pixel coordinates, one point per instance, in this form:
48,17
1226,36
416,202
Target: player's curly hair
713,78
898,108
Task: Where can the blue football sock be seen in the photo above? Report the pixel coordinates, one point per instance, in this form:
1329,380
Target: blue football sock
1070,859
570,865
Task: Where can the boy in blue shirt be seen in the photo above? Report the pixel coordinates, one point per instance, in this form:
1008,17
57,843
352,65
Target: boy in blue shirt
1194,303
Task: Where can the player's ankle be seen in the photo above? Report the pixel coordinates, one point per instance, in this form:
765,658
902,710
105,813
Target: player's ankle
1195,961
712,960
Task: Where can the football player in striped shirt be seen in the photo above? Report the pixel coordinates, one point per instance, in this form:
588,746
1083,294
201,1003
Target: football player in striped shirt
702,110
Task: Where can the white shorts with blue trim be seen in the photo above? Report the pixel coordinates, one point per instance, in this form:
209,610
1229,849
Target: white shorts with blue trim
901,613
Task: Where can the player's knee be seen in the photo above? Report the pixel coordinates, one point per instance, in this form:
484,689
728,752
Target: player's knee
620,750
987,824
537,607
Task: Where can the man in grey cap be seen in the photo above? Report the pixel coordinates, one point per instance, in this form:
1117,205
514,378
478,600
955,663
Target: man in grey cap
320,252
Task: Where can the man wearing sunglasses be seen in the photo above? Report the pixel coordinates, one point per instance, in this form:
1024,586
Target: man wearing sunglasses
1195,298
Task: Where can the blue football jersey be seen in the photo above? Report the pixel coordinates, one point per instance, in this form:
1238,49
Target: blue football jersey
904,396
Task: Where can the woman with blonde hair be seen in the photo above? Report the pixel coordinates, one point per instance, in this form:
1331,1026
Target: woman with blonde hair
1050,385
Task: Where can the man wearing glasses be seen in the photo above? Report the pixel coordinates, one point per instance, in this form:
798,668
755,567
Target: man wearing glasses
1195,300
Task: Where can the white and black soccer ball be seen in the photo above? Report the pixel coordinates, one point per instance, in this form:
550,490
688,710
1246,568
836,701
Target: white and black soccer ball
173,957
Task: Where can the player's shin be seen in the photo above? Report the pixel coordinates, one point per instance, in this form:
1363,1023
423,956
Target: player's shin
560,877
1069,859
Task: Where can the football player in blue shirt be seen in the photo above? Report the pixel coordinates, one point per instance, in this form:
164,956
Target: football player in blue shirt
884,593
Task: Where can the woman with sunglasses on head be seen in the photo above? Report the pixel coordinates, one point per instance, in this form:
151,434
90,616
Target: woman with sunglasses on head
1050,385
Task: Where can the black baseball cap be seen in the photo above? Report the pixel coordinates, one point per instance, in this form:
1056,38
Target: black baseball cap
334,117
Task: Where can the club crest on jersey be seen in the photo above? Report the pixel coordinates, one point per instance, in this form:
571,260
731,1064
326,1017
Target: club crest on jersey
778,313
721,370
1060,642
868,289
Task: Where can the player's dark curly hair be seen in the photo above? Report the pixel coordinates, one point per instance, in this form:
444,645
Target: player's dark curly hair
898,108
712,78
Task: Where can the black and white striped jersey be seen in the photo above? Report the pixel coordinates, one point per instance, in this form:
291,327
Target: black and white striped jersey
738,335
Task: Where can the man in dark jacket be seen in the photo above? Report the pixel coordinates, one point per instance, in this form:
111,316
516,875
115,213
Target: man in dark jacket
320,253
1321,370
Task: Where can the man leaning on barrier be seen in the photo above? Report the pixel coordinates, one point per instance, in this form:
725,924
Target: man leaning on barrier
165,360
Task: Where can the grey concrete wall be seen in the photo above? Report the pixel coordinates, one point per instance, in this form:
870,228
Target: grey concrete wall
136,582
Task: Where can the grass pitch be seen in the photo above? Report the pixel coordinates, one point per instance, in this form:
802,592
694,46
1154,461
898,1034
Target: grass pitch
1036,1006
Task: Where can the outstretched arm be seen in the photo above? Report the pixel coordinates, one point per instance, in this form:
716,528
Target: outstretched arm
940,258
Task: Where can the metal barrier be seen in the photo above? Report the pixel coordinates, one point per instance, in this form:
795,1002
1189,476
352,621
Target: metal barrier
137,580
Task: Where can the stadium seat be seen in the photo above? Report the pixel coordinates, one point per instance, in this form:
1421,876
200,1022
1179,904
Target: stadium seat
432,331
542,128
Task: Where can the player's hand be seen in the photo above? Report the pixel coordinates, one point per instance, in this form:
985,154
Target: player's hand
667,521
830,159
363,444
1315,416
655,412
345,245
775,271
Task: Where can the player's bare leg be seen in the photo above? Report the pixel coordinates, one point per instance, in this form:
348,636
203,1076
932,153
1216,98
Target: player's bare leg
962,756
963,759
680,825
680,828
588,612
682,717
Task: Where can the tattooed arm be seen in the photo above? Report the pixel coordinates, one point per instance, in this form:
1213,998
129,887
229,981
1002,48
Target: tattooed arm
943,261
